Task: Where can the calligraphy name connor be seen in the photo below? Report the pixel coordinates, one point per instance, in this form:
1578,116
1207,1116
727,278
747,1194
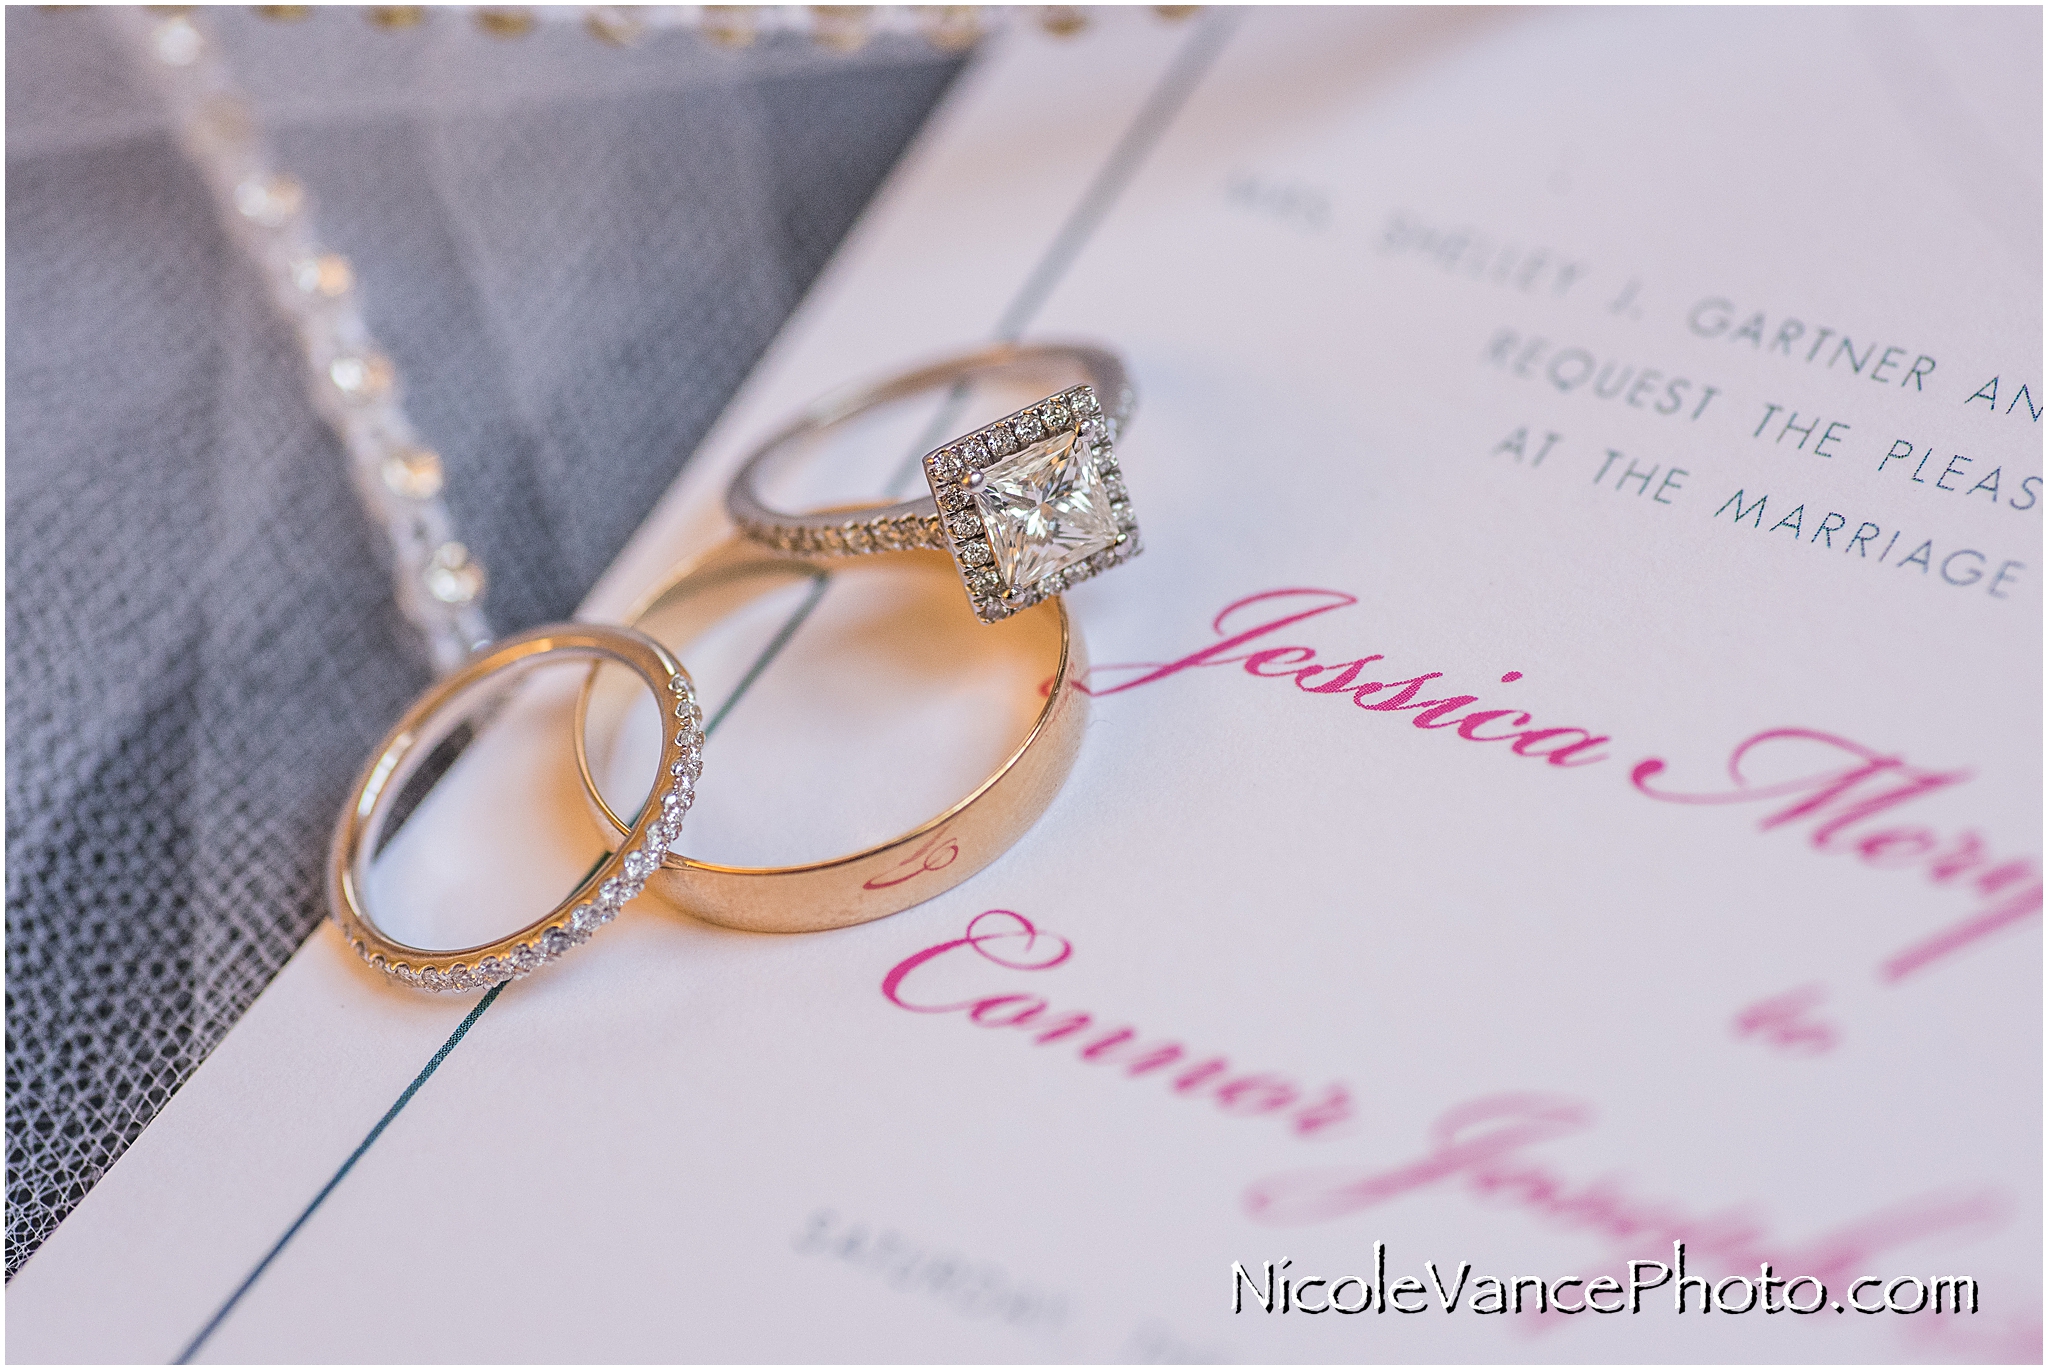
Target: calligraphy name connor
1262,615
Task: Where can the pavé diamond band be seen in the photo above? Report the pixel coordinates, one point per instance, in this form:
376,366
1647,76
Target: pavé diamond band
421,739
1026,506
908,869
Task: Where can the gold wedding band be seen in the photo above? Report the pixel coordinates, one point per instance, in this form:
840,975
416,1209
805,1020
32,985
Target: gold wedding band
909,869
432,721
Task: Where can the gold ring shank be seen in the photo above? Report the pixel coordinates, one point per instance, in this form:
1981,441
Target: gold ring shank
409,744
880,880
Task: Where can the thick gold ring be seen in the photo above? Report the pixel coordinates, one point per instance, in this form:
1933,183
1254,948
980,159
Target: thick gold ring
879,880
434,720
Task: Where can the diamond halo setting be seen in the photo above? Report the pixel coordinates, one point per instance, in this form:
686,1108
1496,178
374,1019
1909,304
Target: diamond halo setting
1034,503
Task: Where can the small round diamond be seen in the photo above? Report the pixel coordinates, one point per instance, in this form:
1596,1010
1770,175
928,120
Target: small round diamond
975,554
675,800
639,865
554,942
976,453
944,464
1058,418
430,978
1001,441
1027,428
612,892
983,583
1085,403
526,959
964,525
489,971
1095,431
458,977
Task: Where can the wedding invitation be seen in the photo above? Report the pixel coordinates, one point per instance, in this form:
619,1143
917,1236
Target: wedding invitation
1563,779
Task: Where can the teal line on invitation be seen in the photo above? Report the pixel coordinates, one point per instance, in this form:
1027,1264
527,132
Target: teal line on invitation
1150,124
1158,112
819,580
192,1347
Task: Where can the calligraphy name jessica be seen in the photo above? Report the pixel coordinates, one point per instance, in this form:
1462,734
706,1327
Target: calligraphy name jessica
1247,620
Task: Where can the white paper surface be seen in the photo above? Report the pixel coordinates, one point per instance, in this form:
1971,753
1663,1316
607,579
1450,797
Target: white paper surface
1477,1006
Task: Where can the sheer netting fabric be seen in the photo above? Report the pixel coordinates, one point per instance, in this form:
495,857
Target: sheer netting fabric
573,251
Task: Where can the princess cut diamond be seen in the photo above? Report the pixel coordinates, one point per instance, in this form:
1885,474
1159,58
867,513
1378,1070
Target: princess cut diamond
1045,508
1040,506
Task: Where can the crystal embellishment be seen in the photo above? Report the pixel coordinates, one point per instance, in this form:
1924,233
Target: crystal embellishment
413,473
361,378
269,201
327,275
1045,508
451,576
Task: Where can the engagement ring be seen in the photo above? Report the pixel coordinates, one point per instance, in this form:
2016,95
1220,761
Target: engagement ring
1027,506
